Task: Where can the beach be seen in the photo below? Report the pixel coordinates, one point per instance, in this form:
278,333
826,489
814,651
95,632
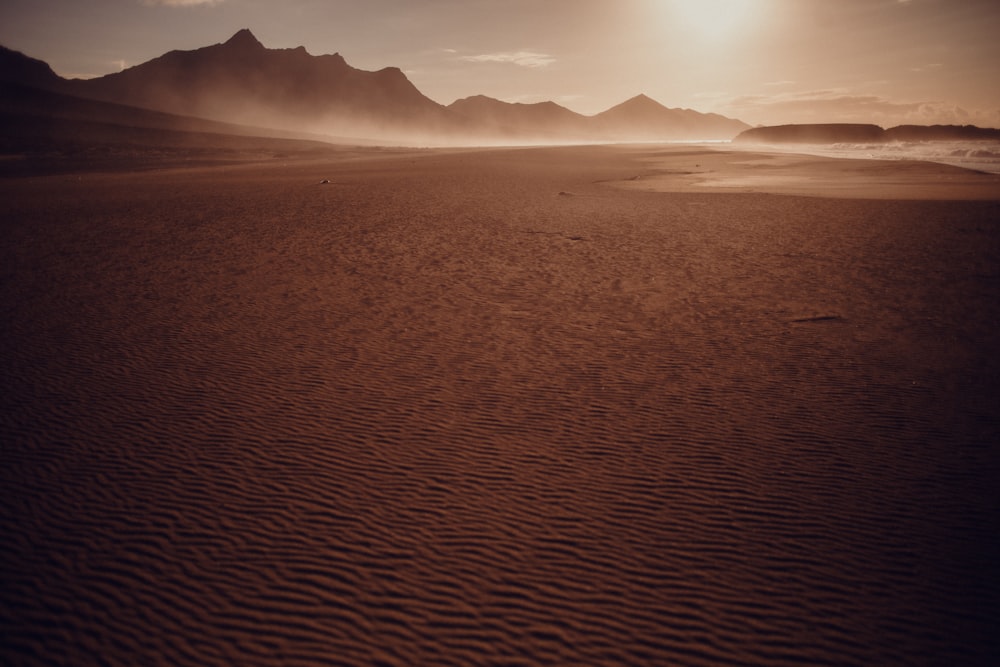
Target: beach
634,405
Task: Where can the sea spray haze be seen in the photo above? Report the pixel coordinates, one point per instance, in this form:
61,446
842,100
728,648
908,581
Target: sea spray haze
959,145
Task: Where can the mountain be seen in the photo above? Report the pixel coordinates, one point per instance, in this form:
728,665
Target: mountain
44,132
20,102
242,82
15,67
822,133
941,133
643,119
855,133
638,119
542,121
37,113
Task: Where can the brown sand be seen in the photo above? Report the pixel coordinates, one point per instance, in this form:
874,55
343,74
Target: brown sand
482,408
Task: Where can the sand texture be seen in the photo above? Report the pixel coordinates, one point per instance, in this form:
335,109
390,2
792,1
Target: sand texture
730,171
491,408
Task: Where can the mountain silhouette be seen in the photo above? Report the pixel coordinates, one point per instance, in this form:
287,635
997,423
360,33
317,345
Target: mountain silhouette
541,121
941,133
15,67
242,82
642,118
638,119
812,133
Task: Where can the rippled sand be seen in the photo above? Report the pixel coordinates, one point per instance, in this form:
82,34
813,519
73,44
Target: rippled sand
494,408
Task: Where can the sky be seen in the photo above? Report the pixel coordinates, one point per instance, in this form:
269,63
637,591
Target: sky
765,62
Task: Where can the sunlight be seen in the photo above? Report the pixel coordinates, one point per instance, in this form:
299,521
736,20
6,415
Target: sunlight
711,20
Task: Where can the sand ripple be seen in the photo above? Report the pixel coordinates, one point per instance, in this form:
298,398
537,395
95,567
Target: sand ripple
439,414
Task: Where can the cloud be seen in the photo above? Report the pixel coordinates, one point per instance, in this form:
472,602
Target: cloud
840,105
521,58
819,103
711,95
943,113
180,3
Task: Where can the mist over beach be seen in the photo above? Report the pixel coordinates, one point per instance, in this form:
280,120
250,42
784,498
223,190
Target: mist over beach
305,363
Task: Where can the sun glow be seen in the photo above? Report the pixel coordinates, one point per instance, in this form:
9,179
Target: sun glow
711,20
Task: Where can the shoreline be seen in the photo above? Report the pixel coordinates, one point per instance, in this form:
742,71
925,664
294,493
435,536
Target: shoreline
664,168
789,173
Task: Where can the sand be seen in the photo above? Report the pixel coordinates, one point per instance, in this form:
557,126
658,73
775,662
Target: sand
496,408
727,170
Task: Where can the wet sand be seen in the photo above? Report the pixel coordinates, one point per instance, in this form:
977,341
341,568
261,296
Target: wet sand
505,407
727,170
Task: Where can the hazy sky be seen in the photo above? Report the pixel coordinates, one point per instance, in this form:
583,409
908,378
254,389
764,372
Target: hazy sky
762,61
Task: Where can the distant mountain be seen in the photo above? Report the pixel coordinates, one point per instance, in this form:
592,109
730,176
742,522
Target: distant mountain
941,133
638,119
642,118
843,133
242,82
829,133
486,116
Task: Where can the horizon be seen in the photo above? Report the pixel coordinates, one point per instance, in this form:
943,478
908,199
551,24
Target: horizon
764,62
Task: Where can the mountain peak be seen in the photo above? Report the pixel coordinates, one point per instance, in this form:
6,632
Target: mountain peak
244,39
641,99
640,104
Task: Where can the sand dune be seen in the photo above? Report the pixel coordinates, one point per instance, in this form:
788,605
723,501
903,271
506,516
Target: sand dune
436,412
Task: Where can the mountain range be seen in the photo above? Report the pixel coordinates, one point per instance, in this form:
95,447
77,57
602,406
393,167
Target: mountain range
246,88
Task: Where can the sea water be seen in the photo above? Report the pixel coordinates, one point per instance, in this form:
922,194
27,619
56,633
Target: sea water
978,155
